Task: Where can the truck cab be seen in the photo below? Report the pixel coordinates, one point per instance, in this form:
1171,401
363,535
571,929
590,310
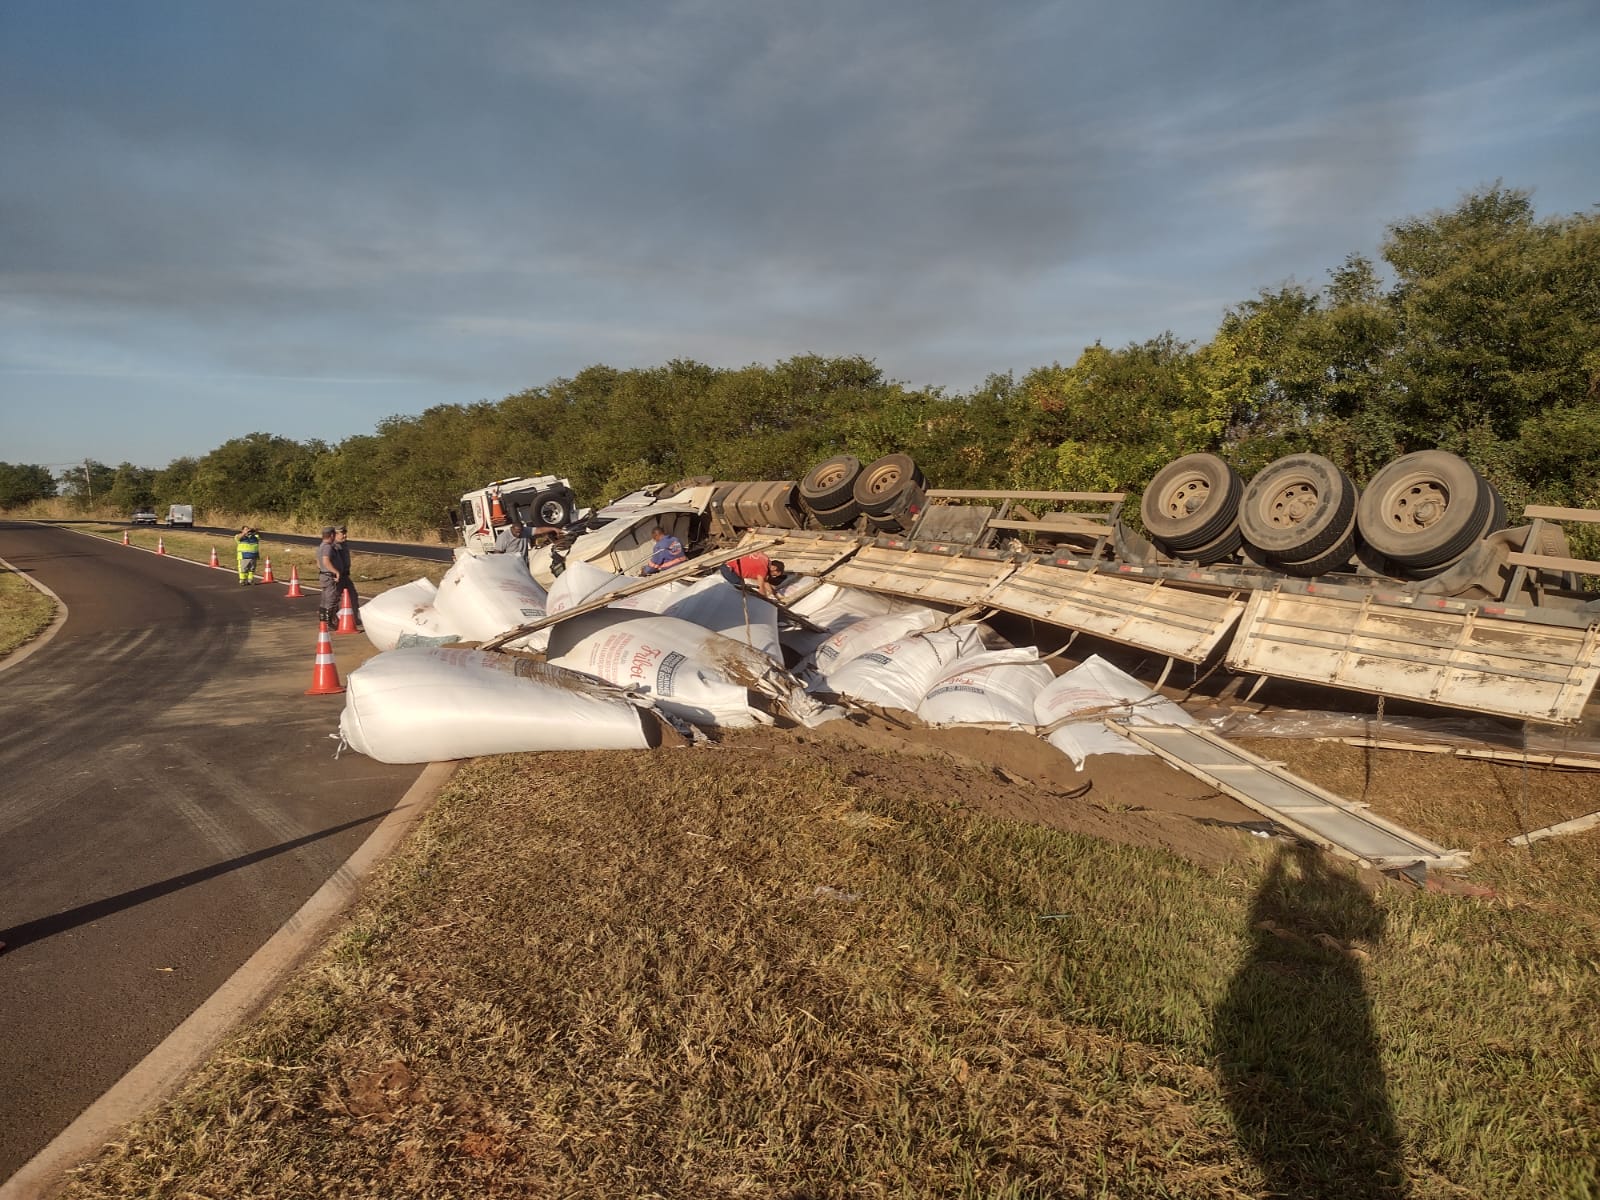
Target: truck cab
538,501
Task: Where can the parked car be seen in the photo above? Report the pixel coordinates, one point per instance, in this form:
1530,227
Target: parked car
144,517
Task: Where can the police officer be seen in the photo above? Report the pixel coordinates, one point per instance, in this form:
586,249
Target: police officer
347,581
248,544
329,573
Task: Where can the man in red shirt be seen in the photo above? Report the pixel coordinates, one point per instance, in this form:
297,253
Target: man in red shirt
754,570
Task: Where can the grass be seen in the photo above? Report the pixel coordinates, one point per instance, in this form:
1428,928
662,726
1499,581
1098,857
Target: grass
25,612
374,573
742,972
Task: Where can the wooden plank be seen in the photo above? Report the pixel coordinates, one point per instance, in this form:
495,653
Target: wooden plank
1546,513
1548,562
1576,825
688,570
961,494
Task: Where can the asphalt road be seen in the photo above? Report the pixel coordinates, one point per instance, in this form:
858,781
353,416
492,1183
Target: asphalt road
168,798
357,542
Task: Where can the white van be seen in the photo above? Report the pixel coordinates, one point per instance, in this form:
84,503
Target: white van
180,514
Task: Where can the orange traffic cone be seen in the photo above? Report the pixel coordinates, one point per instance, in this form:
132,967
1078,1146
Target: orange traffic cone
161,545
267,575
347,615
214,561
325,676
294,592
125,537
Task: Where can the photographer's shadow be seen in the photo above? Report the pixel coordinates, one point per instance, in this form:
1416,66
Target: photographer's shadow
1298,1053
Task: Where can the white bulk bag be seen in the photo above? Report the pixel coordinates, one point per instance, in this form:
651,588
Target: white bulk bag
831,607
858,637
483,595
898,674
1099,690
431,703
580,583
994,688
685,669
714,604
401,610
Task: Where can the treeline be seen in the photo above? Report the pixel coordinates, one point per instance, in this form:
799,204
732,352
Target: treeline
1482,337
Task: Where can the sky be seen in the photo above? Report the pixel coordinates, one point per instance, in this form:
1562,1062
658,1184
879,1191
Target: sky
301,218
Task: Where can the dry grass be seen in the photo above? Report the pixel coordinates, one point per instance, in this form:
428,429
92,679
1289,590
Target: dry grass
736,972
374,572
25,612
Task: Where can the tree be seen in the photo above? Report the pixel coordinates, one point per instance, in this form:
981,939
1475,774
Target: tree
86,483
23,483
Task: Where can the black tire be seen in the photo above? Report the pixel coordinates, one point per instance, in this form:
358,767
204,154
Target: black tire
1331,558
903,516
838,518
556,508
1191,502
883,485
1424,509
831,483
1226,546
1297,508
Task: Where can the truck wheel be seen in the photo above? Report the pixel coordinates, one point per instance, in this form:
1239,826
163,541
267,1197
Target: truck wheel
831,483
838,518
1191,502
1297,508
903,515
883,484
556,509
1331,558
1226,546
1425,509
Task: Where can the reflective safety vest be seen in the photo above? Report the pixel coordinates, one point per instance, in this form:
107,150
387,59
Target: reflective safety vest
249,544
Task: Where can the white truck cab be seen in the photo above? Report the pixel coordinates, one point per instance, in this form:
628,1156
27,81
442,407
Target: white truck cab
538,501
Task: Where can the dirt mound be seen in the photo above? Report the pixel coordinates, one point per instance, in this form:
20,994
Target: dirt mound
1138,801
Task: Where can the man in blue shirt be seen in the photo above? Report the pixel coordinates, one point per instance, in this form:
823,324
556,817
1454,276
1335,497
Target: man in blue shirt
668,552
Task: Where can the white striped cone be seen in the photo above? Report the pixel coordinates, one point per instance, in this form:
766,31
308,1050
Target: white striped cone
325,676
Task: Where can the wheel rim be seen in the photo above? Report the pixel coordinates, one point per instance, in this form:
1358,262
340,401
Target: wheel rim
884,479
1186,497
552,512
1292,504
828,477
1416,504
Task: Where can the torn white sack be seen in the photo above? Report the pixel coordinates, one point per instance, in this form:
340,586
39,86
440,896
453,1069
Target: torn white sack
857,637
1099,690
713,603
899,673
580,583
832,607
684,668
407,609
997,687
483,595
432,703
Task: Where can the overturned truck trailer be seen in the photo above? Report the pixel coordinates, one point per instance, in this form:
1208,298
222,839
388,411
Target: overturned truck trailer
1411,590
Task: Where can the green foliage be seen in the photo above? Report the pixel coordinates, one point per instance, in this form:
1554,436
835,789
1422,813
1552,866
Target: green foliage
23,483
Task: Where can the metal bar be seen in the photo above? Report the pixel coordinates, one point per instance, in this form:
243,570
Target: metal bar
964,494
688,570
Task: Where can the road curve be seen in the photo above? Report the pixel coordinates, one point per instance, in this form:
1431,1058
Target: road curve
168,798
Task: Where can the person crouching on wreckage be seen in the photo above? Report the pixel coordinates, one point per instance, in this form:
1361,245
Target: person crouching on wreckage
755,571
